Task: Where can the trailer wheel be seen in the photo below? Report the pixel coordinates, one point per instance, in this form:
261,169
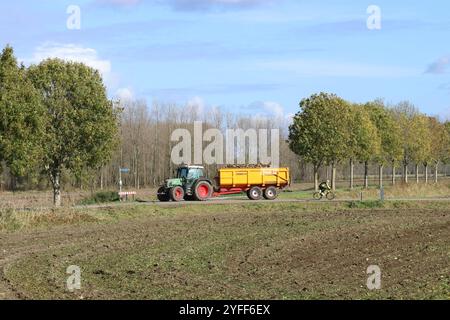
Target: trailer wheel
176,193
162,195
270,193
254,193
202,191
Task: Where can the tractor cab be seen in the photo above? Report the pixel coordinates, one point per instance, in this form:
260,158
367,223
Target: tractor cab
190,172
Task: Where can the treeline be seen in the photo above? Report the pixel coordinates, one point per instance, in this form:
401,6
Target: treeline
59,130
329,131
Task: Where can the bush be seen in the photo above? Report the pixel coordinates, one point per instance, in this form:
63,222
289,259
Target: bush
101,197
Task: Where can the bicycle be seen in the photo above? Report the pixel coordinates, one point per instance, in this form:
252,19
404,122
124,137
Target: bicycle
330,195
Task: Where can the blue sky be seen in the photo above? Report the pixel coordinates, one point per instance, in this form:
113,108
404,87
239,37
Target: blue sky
246,55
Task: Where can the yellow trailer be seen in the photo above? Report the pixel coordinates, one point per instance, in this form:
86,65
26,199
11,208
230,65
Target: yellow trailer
257,182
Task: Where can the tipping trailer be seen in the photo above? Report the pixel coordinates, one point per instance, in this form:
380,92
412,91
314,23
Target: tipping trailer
192,184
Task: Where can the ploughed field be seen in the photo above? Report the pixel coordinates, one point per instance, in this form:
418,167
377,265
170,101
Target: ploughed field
235,251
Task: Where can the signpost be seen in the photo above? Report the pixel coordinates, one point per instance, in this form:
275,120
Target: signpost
122,170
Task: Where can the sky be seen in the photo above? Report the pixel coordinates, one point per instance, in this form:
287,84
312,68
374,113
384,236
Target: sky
246,56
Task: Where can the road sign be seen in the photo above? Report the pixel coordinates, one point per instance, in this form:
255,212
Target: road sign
124,170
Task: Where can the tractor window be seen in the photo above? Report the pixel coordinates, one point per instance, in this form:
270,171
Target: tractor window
182,172
195,173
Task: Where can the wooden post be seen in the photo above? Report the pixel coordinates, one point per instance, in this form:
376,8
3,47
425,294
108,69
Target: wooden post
351,173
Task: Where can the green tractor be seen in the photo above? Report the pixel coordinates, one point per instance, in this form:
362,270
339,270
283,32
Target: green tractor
190,184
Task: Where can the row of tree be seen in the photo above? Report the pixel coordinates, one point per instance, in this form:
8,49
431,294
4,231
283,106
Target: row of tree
329,130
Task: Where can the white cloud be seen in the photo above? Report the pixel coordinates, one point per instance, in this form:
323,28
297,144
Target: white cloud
71,52
76,53
198,103
270,109
125,94
273,108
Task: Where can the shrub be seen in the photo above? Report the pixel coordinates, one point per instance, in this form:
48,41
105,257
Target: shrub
101,197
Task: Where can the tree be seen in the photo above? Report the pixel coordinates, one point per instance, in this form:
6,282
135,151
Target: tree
415,137
365,142
82,124
389,134
21,114
446,154
439,146
421,150
319,131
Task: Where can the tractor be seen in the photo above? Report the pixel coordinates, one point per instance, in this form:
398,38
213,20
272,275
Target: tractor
190,184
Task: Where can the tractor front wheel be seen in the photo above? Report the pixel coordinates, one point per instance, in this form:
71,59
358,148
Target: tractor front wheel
202,191
176,193
162,195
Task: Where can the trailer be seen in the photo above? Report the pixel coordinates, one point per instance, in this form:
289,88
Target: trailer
192,184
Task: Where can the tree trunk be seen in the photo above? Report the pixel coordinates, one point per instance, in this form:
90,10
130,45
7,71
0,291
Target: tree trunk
393,173
426,172
366,174
352,167
380,176
417,173
333,176
436,173
316,178
405,173
56,184
101,179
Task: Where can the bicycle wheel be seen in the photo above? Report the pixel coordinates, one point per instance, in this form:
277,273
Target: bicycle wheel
317,195
330,195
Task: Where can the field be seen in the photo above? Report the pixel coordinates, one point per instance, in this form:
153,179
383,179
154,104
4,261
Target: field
279,250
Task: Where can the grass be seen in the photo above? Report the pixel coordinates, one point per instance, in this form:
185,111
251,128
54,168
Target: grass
410,191
16,220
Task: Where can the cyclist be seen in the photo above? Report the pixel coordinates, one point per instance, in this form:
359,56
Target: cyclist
324,186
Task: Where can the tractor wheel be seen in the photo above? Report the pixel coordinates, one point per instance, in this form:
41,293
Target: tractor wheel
270,193
176,193
254,193
202,191
162,195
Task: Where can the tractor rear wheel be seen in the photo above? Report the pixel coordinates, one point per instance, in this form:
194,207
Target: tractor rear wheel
162,195
270,193
254,193
176,193
202,191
